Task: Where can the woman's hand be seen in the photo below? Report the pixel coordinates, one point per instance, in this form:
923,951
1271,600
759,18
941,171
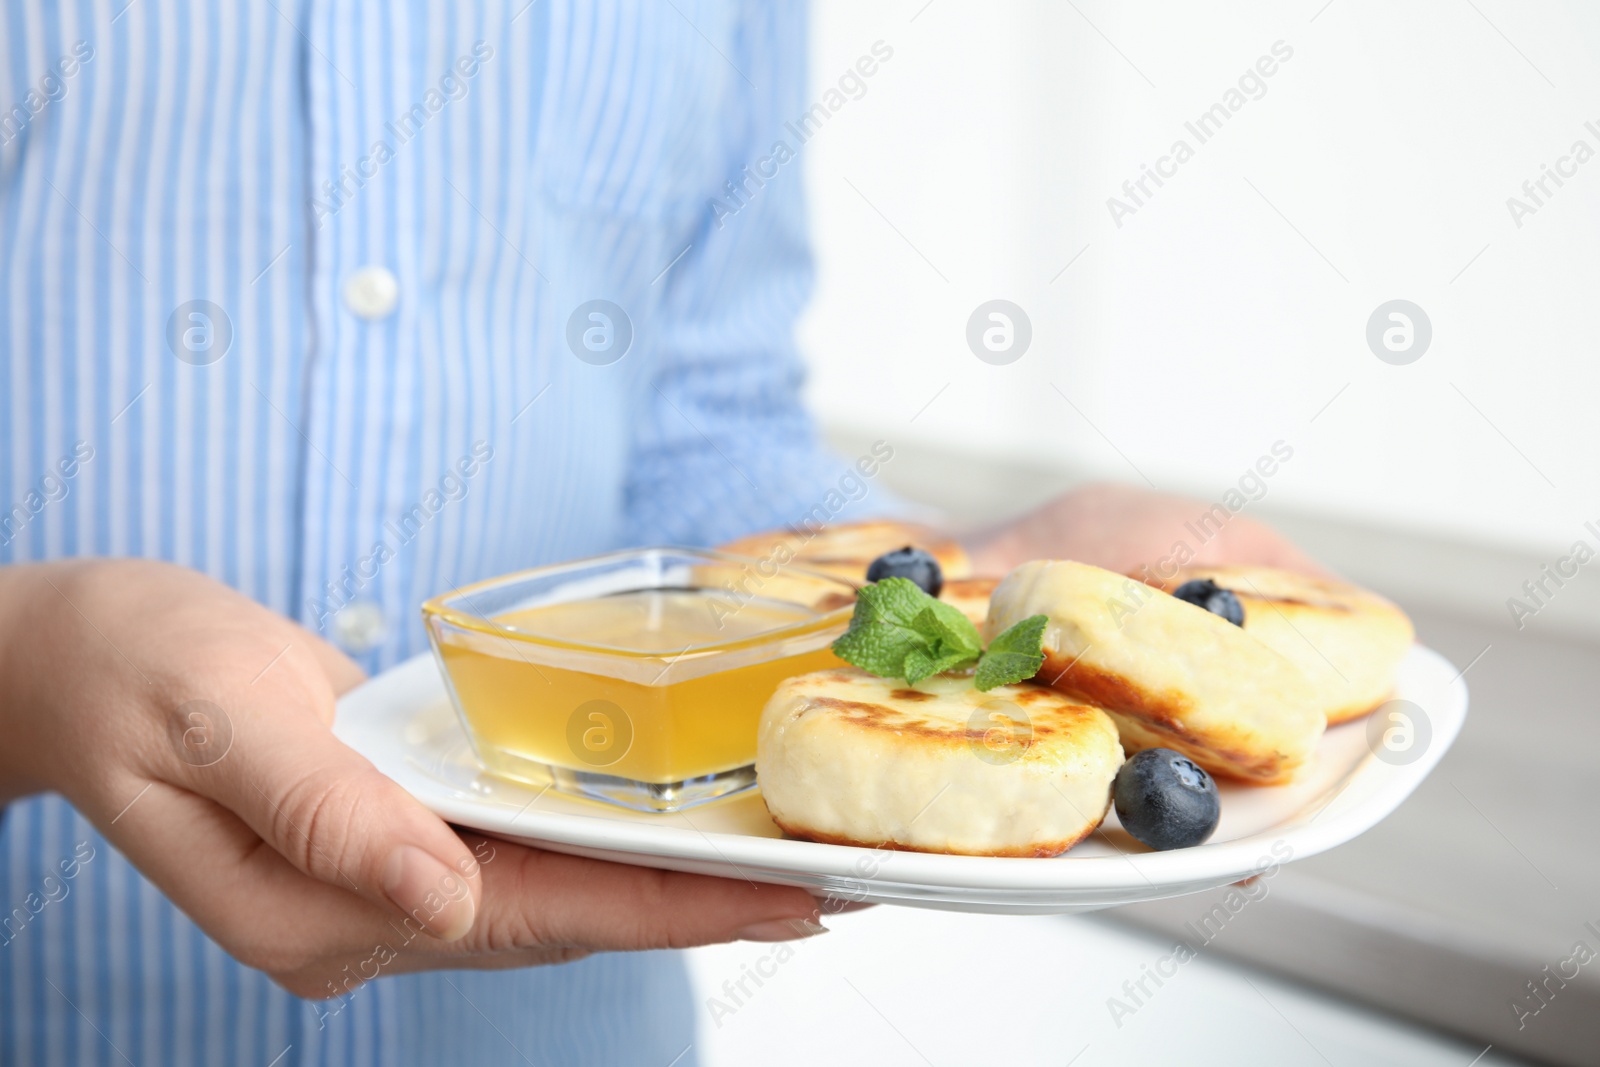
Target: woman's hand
1123,529
191,726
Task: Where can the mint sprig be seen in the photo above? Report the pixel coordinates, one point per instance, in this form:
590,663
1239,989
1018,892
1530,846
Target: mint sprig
1013,656
899,631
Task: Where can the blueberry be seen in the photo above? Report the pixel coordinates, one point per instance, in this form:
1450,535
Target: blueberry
908,562
1204,593
1165,800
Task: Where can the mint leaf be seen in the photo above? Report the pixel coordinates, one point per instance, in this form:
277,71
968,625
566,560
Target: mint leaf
882,633
952,639
945,624
920,664
1013,656
899,631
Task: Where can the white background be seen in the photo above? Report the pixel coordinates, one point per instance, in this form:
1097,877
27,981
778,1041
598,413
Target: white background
1228,313
894,986
1231,309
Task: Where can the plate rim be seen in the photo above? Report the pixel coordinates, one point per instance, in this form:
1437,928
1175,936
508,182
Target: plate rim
1385,786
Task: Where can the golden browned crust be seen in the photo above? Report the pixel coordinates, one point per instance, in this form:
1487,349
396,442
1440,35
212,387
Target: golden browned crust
970,587
1162,714
1052,714
1233,763
846,549
1041,850
1115,692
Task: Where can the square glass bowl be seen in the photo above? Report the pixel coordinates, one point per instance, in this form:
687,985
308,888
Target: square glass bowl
636,678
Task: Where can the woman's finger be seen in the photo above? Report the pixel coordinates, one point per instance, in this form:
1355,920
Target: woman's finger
536,898
335,817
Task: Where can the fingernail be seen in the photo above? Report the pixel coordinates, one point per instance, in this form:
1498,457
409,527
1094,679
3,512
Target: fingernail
429,892
781,930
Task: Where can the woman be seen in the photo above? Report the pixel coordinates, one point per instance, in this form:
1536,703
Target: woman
311,311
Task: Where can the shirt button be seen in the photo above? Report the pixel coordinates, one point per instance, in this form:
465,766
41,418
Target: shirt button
360,626
371,292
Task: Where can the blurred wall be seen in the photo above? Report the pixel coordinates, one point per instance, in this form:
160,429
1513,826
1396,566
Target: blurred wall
1175,343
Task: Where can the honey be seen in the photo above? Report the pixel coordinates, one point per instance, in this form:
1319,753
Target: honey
657,686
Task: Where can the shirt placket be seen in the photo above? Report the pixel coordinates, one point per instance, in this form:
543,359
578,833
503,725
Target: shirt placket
354,422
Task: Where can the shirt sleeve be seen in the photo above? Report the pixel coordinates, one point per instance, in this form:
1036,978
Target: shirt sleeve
723,445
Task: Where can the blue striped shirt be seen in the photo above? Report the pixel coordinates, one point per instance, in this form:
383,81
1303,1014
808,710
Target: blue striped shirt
301,294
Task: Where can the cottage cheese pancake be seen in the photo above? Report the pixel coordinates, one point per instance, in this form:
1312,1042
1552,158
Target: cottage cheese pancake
1171,674
848,549
846,757
1348,641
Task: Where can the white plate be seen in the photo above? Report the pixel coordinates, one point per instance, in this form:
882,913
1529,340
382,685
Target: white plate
402,721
